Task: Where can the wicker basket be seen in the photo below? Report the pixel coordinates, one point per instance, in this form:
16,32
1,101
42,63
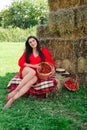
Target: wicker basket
44,71
71,83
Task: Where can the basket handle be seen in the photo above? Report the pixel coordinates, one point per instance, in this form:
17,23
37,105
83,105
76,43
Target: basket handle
74,77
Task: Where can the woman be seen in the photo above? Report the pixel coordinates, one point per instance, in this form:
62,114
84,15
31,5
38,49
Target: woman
28,62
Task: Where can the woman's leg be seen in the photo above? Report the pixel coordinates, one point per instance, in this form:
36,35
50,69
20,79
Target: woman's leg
27,74
21,92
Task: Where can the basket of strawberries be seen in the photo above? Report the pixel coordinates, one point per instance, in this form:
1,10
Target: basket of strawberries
71,83
45,70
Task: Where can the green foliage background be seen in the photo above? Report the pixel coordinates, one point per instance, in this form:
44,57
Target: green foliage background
24,13
21,18
16,34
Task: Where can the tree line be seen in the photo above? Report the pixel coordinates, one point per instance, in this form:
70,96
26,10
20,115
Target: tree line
24,14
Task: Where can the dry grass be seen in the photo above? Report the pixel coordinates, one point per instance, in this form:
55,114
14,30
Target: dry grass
67,54
70,22
82,64
60,48
58,88
54,5
43,31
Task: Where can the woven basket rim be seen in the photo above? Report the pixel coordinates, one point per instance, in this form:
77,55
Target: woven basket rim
69,87
47,74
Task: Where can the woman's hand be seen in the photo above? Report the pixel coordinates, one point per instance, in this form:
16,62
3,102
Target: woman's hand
36,66
53,71
31,65
26,64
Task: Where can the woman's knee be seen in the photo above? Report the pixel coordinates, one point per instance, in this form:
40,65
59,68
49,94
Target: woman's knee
33,72
34,80
29,70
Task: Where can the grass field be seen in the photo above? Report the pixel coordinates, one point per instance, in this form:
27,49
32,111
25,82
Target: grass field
68,111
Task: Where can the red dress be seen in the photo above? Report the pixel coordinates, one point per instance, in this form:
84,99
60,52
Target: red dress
35,60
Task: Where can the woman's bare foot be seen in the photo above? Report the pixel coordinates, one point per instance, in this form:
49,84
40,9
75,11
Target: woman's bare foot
10,95
7,97
9,103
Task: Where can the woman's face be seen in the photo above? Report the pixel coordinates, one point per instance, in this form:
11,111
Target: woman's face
32,42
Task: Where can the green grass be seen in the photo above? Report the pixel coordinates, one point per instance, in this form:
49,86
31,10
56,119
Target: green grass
68,111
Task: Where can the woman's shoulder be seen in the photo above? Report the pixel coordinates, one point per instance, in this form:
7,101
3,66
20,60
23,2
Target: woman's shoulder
44,49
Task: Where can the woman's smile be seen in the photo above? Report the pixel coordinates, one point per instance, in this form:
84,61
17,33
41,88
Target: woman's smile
32,42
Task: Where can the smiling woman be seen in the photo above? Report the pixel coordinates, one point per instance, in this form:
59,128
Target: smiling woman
29,62
4,4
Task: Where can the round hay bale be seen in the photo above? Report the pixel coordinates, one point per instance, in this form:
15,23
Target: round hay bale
58,88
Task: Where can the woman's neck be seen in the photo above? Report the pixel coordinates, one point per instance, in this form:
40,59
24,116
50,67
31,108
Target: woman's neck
35,52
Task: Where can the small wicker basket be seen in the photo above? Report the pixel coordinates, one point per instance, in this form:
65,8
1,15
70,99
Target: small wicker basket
71,83
44,71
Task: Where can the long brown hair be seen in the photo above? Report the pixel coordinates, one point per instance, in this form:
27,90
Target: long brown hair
29,49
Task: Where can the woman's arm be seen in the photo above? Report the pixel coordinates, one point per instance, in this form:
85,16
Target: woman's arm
48,56
22,60
31,65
